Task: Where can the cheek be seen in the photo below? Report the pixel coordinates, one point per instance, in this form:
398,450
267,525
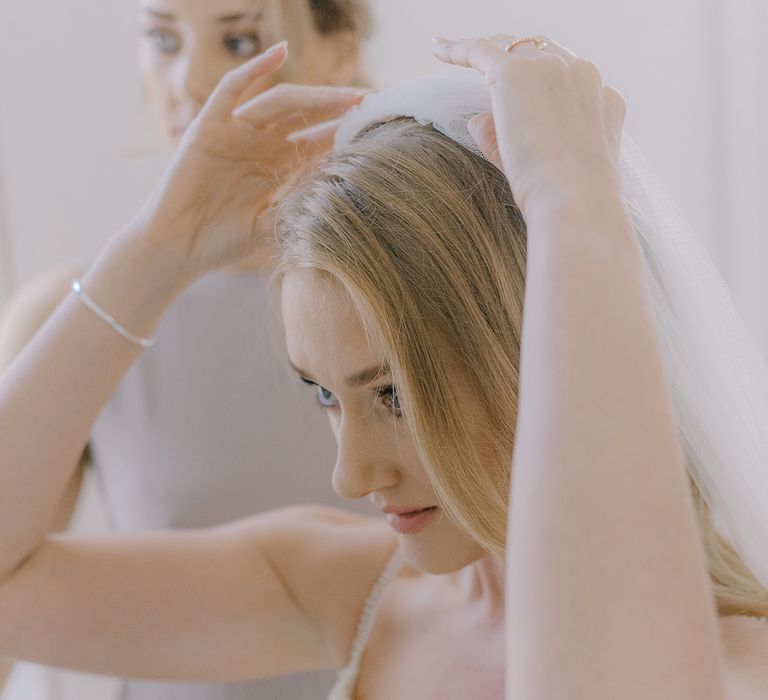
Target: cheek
153,78
407,455
417,470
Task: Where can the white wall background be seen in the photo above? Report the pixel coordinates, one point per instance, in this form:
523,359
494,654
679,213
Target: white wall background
72,135
76,158
742,139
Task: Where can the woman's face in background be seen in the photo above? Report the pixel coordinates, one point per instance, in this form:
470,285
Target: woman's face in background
186,47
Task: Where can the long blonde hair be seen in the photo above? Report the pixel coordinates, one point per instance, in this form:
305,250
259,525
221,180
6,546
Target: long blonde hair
427,240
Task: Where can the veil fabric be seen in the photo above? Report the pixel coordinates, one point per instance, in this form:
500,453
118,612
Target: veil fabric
717,378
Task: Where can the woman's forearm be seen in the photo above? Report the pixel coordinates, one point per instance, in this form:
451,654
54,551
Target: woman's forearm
53,392
607,591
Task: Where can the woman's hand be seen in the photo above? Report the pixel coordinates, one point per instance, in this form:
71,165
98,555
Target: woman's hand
210,208
554,126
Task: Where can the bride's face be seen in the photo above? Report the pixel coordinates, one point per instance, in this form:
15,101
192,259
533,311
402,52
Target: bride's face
376,458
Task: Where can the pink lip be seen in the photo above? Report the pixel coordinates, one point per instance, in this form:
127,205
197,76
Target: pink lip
409,523
399,510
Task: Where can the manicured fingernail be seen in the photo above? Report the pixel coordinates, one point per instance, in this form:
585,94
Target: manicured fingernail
281,45
437,40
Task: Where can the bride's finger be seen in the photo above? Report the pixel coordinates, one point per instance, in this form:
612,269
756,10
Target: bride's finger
486,53
529,47
285,100
228,92
480,54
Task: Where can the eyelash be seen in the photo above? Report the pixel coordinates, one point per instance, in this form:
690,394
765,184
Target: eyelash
387,394
245,36
157,34
389,397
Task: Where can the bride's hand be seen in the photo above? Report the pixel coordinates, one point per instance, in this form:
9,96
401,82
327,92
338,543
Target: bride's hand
209,208
555,126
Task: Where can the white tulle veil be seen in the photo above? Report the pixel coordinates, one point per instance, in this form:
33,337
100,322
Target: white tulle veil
717,378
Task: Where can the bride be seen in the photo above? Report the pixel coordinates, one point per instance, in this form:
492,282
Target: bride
470,302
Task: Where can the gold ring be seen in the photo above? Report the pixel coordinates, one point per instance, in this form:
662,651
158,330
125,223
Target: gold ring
538,42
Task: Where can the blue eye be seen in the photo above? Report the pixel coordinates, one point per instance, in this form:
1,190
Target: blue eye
243,45
326,398
163,41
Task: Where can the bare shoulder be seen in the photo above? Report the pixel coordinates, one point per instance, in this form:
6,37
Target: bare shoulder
745,657
29,308
330,559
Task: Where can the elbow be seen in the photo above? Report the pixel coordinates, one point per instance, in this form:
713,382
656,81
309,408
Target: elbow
14,557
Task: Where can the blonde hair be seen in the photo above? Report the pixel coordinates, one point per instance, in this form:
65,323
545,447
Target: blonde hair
428,242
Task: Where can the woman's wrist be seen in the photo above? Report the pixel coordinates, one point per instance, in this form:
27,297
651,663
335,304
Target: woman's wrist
164,255
135,278
577,225
581,203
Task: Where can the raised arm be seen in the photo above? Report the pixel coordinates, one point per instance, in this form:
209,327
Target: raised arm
207,212
607,591
24,315
22,318
238,602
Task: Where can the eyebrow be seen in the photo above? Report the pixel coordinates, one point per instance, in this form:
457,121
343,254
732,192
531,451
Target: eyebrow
157,13
357,379
225,19
254,16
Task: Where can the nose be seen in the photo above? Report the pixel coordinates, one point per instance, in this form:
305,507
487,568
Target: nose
193,78
362,465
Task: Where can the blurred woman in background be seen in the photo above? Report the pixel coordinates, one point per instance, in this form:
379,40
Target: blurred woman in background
208,427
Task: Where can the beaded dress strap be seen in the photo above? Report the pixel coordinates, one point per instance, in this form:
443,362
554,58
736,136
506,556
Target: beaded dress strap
347,677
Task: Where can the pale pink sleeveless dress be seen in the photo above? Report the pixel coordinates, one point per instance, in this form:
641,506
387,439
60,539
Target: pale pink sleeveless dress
211,425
